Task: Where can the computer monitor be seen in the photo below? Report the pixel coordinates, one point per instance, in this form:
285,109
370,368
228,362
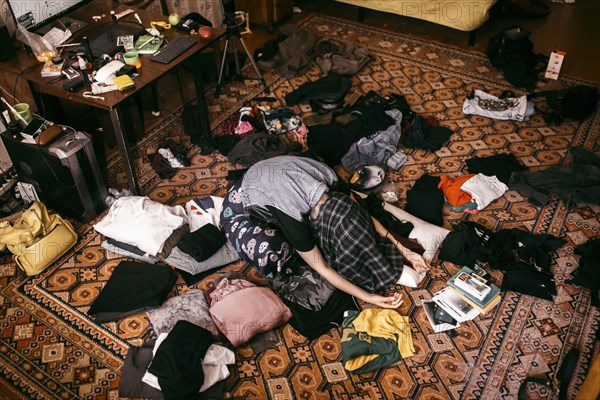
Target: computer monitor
38,15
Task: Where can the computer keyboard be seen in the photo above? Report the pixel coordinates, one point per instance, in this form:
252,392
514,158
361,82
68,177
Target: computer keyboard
174,48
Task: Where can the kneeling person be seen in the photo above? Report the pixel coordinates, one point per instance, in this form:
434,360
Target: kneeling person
291,203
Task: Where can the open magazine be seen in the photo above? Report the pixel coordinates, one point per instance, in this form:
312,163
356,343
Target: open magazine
432,309
457,307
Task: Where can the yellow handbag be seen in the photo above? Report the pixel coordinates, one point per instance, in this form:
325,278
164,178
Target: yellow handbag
37,238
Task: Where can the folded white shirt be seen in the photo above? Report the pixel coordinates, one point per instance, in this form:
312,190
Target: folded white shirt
141,222
484,189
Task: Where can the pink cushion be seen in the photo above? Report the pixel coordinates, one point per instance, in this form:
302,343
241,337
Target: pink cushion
248,312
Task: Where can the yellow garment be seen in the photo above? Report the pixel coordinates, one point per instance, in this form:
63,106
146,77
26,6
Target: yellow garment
591,386
123,82
356,363
387,324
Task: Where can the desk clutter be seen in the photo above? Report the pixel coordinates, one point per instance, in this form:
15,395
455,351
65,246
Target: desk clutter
110,59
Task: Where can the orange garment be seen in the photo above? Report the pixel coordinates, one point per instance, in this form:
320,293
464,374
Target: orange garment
451,189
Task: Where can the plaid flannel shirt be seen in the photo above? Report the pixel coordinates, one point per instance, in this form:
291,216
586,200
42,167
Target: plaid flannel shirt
350,244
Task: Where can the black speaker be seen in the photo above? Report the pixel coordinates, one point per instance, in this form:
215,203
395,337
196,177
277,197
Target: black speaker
64,173
7,47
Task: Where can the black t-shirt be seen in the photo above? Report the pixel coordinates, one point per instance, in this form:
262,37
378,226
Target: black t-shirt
298,233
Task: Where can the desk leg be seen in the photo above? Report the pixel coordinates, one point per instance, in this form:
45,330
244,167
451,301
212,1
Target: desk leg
120,136
200,95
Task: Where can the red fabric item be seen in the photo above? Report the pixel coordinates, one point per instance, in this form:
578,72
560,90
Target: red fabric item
451,189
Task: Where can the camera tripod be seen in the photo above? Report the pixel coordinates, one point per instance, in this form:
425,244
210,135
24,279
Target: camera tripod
231,34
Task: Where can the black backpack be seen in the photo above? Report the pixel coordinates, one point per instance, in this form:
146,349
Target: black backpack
511,51
576,102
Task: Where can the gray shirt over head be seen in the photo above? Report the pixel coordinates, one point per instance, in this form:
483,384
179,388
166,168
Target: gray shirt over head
290,184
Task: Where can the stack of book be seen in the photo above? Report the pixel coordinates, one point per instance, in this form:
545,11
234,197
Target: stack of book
468,294
475,290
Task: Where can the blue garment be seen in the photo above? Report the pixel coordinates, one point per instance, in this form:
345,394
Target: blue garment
375,149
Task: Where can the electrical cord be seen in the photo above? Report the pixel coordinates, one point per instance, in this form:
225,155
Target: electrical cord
8,94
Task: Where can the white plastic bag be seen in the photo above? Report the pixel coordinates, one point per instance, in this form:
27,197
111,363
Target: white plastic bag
42,49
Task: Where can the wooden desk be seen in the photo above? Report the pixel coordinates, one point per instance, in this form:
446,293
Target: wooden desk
26,66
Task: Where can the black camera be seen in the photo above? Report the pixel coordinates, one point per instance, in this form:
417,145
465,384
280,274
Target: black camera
234,20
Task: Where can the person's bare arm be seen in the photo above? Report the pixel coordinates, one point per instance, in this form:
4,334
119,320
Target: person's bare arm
417,261
315,260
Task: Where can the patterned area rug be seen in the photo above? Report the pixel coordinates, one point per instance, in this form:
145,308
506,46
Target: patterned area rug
50,348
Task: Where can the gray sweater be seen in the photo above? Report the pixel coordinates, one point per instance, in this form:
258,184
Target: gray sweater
290,184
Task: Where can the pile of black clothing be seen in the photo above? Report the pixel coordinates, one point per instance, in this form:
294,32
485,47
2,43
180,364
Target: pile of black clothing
178,361
135,366
332,141
332,136
417,132
425,200
331,88
316,306
425,134
312,324
588,273
523,255
133,288
261,146
222,143
501,166
576,182
203,242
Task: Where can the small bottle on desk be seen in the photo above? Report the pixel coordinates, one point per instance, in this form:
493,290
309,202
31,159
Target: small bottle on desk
88,49
84,73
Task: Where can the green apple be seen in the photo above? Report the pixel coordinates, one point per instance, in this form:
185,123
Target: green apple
174,19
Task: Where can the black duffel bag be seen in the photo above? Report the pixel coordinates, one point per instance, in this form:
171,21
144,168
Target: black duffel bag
511,51
575,102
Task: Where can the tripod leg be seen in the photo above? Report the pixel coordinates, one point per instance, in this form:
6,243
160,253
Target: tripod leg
260,77
236,59
223,60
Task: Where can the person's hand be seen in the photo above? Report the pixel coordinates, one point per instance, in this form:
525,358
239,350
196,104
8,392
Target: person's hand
393,301
418,262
